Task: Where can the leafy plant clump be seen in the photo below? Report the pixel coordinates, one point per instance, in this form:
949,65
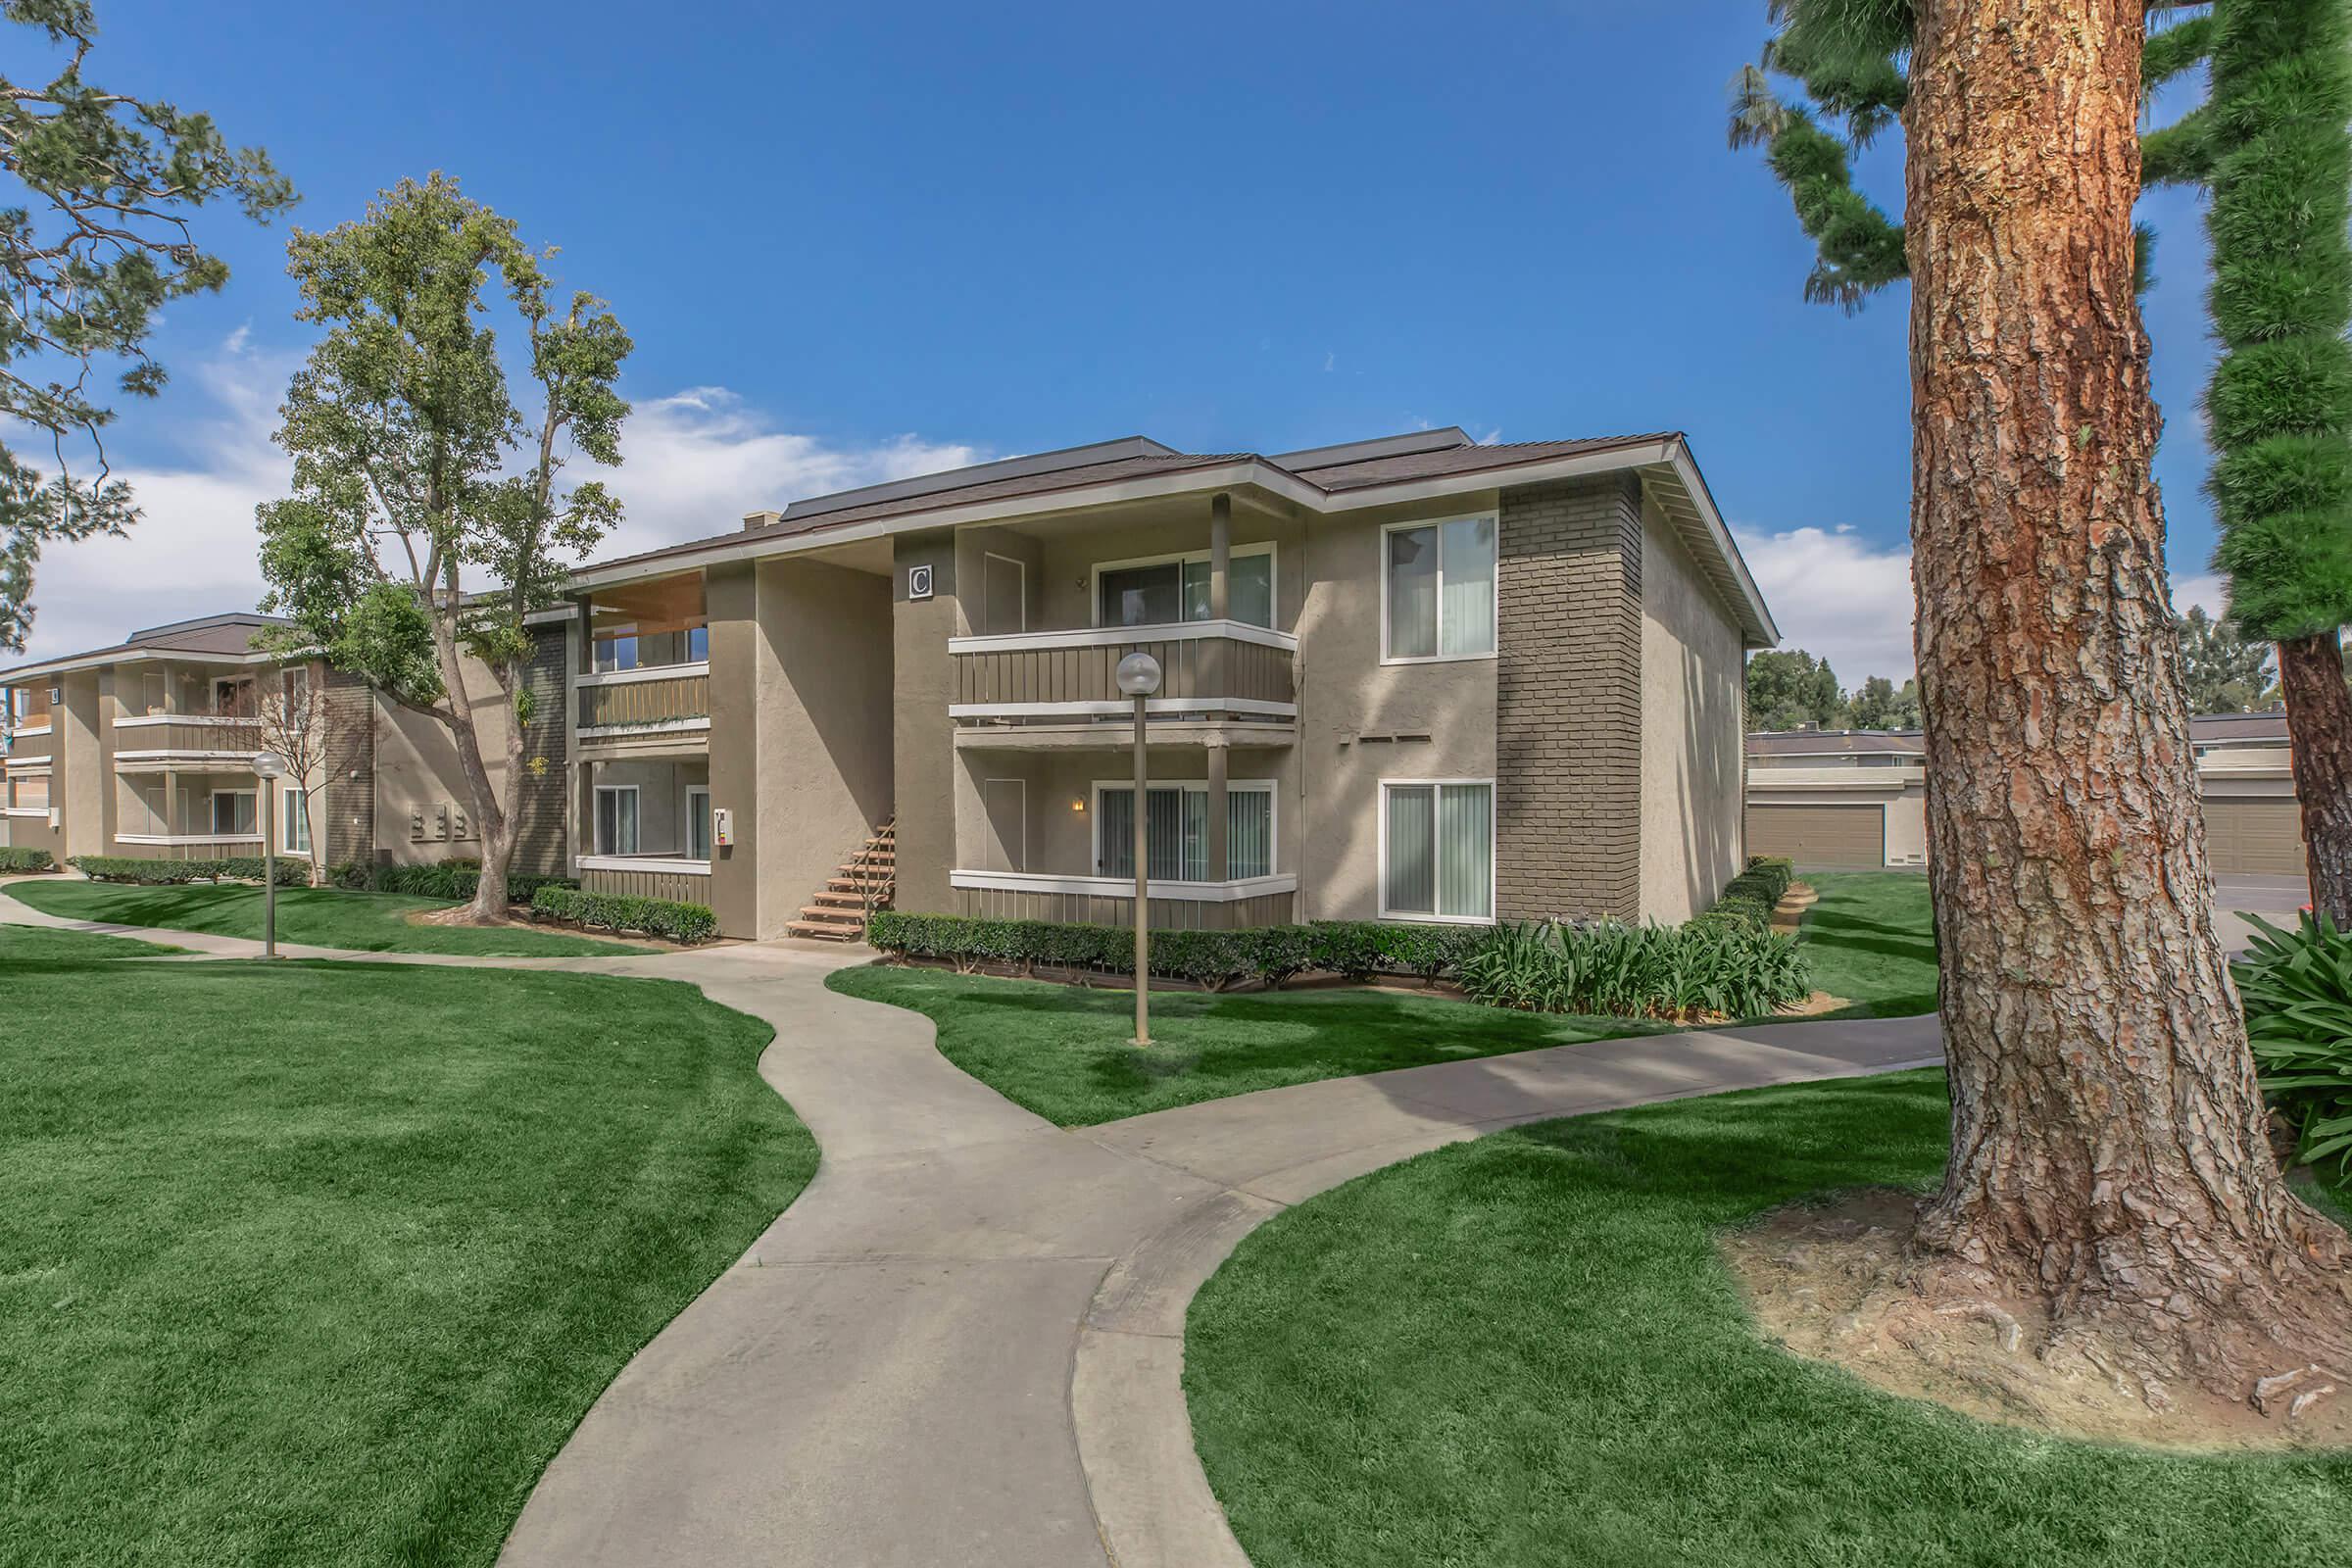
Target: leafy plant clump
1751,896
1704,969
14,862
612,911
2297,990
291,872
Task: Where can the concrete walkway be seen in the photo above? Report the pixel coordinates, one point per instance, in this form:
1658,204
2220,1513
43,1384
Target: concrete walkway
962,1344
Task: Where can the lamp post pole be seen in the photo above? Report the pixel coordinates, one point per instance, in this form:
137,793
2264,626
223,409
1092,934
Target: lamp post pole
269,768
1139,677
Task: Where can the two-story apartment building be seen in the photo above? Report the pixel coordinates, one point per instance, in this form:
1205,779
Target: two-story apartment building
1413,678
1832,798
144,749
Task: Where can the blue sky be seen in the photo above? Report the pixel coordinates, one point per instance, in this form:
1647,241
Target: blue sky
856,241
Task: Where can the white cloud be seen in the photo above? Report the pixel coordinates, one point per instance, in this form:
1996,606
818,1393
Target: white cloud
695,462
1837,596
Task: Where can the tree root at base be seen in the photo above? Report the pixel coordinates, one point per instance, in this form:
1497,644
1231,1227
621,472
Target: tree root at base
1841,1283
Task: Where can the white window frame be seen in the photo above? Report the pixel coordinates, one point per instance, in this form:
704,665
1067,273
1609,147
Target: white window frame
1436,876
1495,585
692,790
212,799
235,684
1237,786
596,826
1017,564
294,801
1094,587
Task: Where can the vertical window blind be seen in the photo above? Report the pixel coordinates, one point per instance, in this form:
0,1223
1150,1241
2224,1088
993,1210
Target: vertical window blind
1440,850
1176,833
1441,589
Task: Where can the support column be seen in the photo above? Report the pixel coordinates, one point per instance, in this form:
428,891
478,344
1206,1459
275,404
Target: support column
1219,852
584,812
1220,556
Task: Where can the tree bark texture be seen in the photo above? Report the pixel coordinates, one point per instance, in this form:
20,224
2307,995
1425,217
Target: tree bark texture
2319,722
2108,1150
489,906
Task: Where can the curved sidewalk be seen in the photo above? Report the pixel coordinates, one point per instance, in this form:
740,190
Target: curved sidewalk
962,1344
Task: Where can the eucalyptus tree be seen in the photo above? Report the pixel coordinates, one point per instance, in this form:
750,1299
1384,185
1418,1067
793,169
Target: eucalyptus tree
95,237
428,517
2109,1154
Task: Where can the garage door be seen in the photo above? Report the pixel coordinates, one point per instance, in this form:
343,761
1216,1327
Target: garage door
2259,838
1820,837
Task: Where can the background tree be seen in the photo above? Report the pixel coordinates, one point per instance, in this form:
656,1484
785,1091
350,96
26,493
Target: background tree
95,242
2279,406
2224,671
1878,704
2109,1158
414,466
1789,689
293,718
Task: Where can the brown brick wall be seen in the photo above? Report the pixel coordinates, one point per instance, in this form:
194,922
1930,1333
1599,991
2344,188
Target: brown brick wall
539,842
1568,701
350,809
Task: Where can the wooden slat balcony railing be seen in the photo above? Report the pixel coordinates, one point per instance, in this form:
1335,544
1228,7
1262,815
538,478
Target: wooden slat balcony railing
184,737
1208,668
645,697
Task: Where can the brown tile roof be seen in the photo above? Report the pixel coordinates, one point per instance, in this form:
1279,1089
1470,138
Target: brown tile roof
211,634
1467,460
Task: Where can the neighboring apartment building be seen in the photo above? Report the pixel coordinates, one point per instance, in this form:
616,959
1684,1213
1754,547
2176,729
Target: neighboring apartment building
145,749
1413,678
1858,798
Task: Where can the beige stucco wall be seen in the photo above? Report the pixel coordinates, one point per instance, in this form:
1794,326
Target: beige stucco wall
825,726
416,768
1691,674
925,776
82,741
1345,694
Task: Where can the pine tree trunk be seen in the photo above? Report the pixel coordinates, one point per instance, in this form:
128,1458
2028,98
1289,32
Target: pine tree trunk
2108,1150
2319,723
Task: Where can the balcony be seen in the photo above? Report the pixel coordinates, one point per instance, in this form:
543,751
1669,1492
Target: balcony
1223,673
655,700
160,743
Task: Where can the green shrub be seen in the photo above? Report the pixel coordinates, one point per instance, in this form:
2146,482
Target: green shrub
1714,966
615,911
16,862
1753,894
452,881
2297,990
1355,949
291,871
350,875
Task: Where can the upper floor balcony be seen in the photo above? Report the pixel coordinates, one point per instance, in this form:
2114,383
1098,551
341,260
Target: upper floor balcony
1225,672
646,661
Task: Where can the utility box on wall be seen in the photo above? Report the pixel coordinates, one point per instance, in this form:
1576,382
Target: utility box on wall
722,827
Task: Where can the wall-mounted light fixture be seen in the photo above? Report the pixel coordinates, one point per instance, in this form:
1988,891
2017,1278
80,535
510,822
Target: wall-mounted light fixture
1078,803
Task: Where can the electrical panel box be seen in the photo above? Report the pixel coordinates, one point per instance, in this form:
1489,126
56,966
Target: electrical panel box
416,826
722,827
441,823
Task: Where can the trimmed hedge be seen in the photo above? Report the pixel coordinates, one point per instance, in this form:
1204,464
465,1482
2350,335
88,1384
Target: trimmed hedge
453,881
291,871
15,861
1356,949
1749,897
612,911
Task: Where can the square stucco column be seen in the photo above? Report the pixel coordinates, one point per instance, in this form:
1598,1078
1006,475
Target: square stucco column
923,737
731,606
1568,701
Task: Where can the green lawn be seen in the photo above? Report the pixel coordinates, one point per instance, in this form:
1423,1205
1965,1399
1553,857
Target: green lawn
1061,1051
32,944
1872,941
320,917
321,1263
1524,1351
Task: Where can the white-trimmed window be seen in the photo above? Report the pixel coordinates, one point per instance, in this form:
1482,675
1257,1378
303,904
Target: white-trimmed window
1169,590
698,823
616,652
1438,590
616,819
297,807
1437,848
236,814
1176,831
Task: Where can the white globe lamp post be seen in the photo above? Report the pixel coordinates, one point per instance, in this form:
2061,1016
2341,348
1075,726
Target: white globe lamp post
1139,677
